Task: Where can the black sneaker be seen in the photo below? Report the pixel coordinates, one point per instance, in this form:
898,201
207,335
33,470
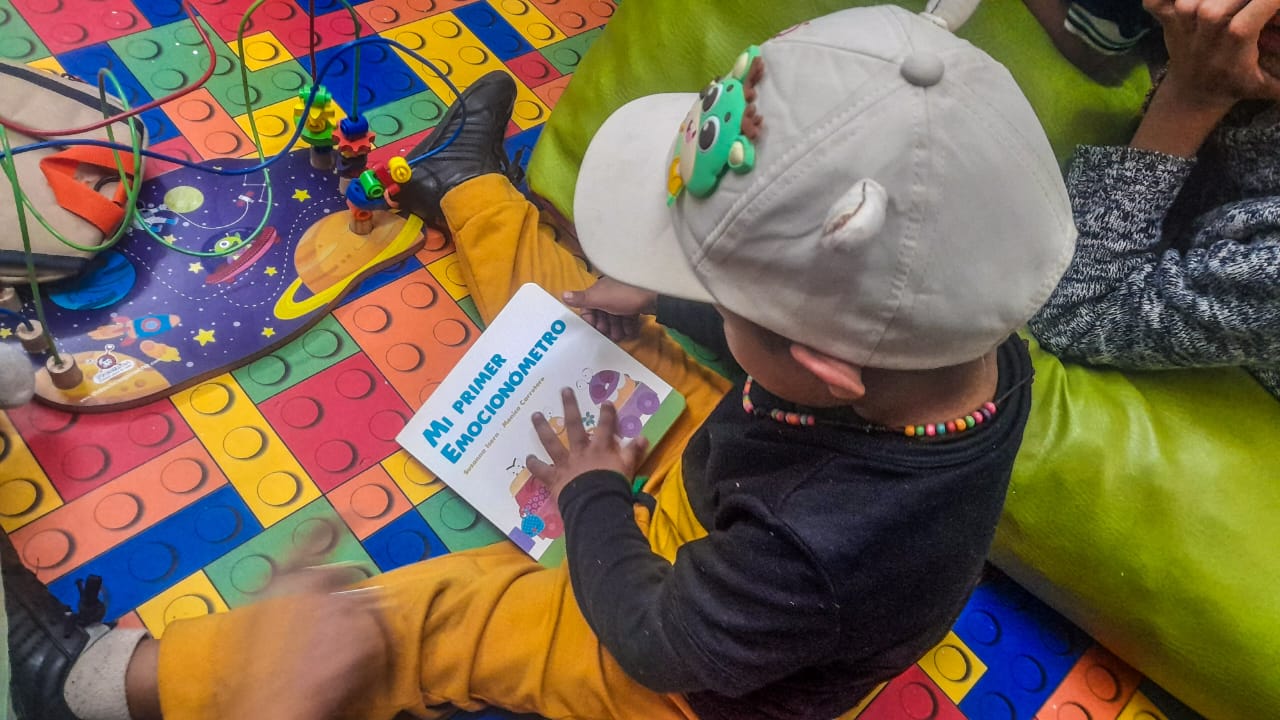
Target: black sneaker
483,111
45,637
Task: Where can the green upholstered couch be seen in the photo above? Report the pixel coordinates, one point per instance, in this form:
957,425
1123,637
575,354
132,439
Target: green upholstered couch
1144,506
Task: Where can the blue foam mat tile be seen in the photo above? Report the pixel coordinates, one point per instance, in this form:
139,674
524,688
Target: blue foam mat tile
403,541
85,62
493,30
1027,647
384,77
161,12
385,276
153,560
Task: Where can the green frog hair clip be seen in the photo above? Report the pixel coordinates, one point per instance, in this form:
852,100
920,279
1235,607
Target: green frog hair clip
719,132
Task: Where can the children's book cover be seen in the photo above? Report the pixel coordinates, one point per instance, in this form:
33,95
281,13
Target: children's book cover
475,430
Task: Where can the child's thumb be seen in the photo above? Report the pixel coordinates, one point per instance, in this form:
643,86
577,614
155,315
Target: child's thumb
579,299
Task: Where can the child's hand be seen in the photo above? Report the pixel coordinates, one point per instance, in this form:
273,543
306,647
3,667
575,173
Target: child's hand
316,641
598,451
613,308
1214,56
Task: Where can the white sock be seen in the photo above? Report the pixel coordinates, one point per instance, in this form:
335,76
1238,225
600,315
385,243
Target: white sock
95,686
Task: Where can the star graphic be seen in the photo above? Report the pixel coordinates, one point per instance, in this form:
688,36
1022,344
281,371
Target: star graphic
268,332
301,195
5,332
271,270
204,337
195,267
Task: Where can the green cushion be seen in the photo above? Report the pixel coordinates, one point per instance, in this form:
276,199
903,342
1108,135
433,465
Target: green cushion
654,46
1143,505
1146,507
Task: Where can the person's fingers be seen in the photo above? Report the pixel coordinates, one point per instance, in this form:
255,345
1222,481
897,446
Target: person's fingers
605,326
1247,24
608,425
631,328
313,545
573,427
555,449
538,468
1218,12
634,452
577,298
1184,10
617,328
597,319
1161,10
312,579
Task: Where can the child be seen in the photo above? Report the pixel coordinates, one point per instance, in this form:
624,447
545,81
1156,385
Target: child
870,208
1105,39
1178,263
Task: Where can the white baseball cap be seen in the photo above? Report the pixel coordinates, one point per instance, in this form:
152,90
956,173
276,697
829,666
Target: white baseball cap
866,184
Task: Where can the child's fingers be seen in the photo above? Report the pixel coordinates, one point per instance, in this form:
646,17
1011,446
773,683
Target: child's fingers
573,419
314,579
313,544
575,298
555,449
621,327
608,426
635,452
538,469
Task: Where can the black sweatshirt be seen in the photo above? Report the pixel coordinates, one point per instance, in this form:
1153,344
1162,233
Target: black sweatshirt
835,557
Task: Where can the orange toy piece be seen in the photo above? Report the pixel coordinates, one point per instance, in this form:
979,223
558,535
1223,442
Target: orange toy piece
361,220
353,146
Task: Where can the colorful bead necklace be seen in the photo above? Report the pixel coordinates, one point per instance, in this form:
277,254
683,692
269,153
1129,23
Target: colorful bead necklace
979,416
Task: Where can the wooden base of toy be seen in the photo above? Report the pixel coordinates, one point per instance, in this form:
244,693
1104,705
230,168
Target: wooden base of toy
322,160
66,374
9,300
361,222
343,184
32,337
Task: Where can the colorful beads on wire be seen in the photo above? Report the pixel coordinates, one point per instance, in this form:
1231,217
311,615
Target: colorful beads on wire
951,427
788,418
959,425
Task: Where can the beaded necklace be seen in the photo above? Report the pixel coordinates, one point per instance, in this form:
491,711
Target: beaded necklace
983,414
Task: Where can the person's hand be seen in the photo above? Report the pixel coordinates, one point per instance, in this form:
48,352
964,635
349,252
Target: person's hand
599,450
1214,55
613,308
316,641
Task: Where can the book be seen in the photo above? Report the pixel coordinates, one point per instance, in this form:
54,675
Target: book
475,430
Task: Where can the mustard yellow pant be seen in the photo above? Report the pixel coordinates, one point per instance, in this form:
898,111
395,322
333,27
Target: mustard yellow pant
488,626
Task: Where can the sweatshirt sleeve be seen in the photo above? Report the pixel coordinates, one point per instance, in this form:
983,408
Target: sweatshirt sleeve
699,321
1128,301
720,618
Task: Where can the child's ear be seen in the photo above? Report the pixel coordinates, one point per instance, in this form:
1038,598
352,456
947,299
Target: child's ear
844,380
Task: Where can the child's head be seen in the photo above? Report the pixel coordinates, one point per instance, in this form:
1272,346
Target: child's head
866,186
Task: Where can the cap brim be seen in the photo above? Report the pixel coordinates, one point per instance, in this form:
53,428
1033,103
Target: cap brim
620,203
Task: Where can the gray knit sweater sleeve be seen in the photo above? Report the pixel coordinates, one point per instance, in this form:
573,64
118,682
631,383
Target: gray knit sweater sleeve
1129,301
